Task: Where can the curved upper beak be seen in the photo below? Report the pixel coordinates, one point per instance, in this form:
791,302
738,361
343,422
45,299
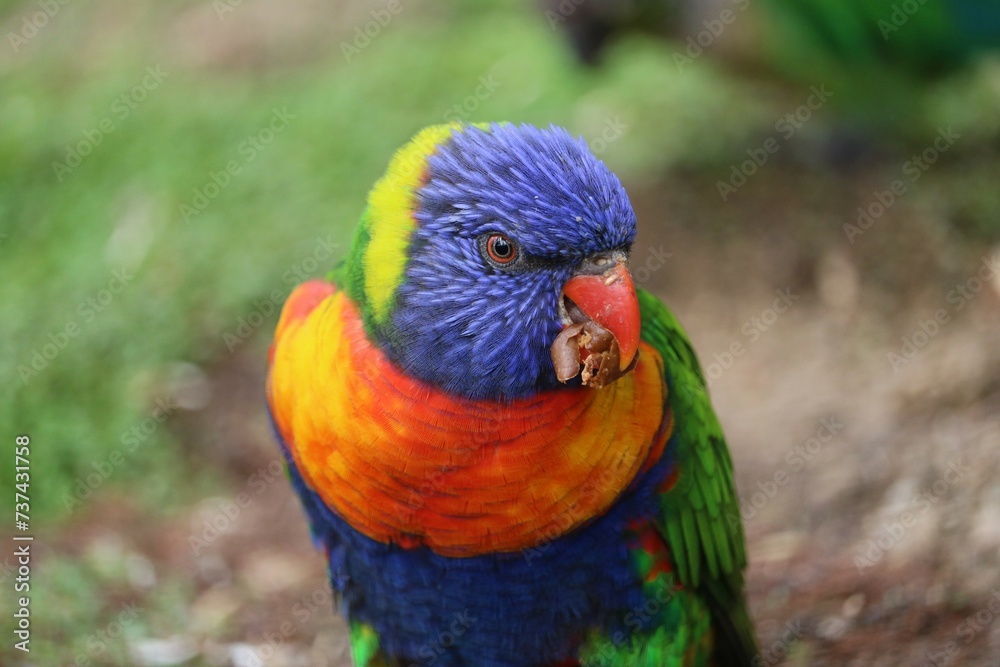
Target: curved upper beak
608,298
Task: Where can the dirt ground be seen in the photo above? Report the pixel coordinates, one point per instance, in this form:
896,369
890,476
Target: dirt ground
870,499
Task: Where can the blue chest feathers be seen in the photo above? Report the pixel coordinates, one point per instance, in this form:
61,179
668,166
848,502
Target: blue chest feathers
533,607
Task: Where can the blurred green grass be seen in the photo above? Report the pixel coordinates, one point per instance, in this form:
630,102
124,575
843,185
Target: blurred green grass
96,603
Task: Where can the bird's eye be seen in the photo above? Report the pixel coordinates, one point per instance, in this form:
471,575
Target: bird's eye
501,249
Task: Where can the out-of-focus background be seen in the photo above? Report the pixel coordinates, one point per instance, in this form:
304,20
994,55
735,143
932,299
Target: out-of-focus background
817,190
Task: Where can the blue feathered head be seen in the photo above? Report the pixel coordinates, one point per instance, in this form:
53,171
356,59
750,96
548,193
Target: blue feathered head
468,244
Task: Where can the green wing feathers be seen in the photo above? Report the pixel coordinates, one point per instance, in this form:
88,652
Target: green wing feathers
700,517
364,646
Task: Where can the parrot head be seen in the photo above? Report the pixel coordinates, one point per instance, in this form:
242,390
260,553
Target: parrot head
491,262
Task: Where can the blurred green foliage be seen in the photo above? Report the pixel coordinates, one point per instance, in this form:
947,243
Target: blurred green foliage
120,598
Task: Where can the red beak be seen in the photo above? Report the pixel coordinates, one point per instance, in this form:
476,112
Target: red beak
609,299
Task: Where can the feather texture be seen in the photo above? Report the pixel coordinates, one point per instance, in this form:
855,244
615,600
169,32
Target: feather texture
474,510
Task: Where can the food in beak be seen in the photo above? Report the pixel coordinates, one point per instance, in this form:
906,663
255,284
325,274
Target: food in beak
602,332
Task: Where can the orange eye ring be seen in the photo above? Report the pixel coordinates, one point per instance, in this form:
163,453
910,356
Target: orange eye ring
501,249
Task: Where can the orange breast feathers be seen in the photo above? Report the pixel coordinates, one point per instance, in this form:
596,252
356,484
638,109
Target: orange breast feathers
406,463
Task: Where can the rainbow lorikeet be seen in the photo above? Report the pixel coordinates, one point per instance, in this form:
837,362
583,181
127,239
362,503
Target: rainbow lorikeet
505,450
